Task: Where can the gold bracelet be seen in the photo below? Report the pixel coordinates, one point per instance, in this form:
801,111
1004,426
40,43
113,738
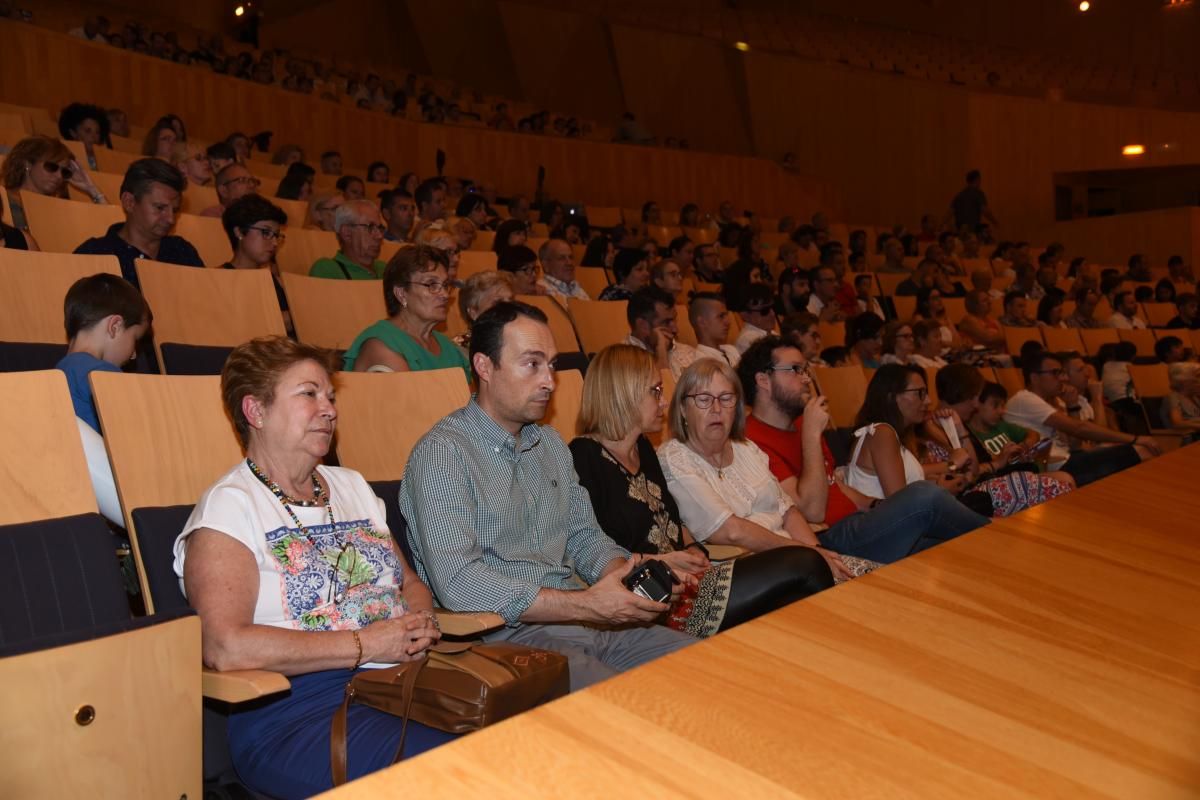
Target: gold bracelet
358,644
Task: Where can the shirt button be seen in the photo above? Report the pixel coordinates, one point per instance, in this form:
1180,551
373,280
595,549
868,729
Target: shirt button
495,449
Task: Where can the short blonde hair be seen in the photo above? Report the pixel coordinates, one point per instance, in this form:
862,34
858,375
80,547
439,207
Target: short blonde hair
698,375
478,286
618,379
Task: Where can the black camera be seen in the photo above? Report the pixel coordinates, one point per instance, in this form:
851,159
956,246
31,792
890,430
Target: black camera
652,580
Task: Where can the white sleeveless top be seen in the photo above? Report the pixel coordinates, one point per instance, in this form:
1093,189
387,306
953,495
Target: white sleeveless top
867,483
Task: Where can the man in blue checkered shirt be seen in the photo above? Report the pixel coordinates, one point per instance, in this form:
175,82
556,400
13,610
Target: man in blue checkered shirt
498,521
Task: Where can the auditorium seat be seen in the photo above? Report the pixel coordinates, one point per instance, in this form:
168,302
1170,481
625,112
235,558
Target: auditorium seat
594,280
1157,315
303,247
114,162
473,261
331,313
1062,340
845,387
565,338
599,323
905,305
563,411
1095,338
59,225
207,308
207,236
85,685
1015,338
381,416
833,334
1143,338
107,183
35,285
195,199
1011,379
296,210
606,217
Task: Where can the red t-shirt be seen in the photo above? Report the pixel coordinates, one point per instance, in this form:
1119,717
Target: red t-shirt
785,450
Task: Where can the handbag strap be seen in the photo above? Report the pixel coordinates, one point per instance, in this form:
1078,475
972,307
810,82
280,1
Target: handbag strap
338,733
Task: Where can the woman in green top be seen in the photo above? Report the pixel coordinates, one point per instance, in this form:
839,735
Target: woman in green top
416,292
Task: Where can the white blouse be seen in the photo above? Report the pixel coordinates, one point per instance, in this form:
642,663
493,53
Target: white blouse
868,483
707,497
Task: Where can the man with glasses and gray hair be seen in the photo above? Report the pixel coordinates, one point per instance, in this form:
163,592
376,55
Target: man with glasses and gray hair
359,230
233,182
787,420
1084,449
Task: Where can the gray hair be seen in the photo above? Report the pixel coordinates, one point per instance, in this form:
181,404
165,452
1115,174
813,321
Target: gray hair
698,375
348,213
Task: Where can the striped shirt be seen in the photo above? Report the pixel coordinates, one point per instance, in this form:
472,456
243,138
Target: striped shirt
494,518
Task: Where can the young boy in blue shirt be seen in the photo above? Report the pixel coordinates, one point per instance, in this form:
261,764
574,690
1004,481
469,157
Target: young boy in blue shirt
105,316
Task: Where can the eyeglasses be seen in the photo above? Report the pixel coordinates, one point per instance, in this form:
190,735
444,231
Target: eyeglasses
342,564
434,287
797,369
248,179
1058,373
705,400
921,393
269,234
657,391
373,228
53,167
529,270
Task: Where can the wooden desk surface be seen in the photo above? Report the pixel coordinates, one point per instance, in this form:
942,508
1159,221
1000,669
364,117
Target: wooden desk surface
1054,654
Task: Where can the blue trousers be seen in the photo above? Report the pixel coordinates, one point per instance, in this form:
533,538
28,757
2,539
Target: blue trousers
918,516
281,747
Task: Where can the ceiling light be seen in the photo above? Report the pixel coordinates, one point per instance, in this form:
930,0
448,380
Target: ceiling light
1133,150
1085,5
745,48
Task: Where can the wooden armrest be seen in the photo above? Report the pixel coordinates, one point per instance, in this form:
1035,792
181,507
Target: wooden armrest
468,624
238,686
724,552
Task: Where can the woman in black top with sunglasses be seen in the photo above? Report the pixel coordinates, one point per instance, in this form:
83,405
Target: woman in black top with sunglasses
43,166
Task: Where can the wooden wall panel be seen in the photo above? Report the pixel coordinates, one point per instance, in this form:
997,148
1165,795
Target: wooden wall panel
681,86
375,32
463,41
1019,143
893,147
564,61
1112,240
49,69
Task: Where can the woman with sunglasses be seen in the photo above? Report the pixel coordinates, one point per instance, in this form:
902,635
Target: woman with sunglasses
254,226
44,166
292,568
623,403
722,481
416,291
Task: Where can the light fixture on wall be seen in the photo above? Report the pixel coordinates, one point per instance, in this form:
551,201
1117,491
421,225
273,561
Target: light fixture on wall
237,12
1133,150
745,48
1084,5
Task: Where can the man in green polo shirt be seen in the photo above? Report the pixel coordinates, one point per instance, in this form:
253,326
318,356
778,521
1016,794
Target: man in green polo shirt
359,230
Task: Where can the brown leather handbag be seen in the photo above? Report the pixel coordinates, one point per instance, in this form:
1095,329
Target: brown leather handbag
456,688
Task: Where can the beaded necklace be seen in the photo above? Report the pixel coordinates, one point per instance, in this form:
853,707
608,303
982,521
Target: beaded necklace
319,496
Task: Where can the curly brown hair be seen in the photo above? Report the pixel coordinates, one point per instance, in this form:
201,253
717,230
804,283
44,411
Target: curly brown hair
28,152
